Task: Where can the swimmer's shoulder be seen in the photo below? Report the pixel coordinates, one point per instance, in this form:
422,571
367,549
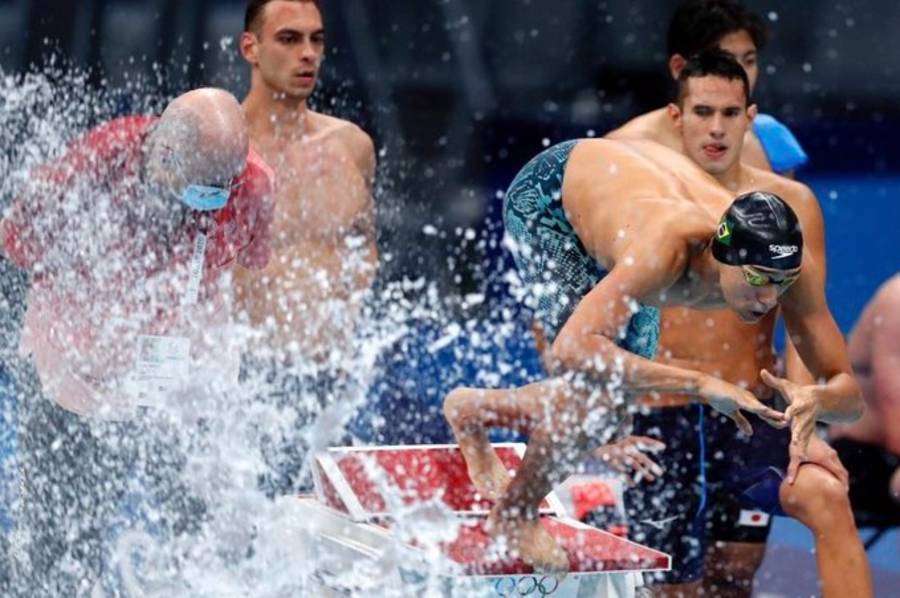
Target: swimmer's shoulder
789,189
349,132
667,224
352,137
669,234
887,297
880,315
798,195
638,127
656,148
607,170
646,166
754,154
650,126
686,222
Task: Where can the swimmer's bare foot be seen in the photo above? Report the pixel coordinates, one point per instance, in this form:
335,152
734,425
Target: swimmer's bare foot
487,472
464,409
531,542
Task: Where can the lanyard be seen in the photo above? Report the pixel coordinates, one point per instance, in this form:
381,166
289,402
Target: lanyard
198,257
162,362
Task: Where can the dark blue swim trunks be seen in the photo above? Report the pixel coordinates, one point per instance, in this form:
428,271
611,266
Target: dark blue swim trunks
718,486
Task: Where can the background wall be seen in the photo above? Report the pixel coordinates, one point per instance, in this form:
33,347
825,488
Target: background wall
460,93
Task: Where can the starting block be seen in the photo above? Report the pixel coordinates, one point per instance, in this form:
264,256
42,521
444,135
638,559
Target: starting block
411,513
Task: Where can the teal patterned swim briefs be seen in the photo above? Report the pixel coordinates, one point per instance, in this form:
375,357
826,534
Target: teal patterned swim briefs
554,266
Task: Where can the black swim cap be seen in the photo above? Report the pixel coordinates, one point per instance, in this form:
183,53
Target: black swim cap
759,229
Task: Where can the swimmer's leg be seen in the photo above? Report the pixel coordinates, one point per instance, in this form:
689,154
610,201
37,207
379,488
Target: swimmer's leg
559,441
818,500
729,568
515,516
472,411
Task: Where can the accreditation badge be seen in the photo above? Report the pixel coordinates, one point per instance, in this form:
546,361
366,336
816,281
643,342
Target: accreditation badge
162,364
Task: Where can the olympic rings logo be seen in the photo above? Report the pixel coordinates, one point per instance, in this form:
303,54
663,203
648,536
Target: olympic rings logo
526,586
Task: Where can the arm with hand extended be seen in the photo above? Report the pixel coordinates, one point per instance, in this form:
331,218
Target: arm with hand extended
586,344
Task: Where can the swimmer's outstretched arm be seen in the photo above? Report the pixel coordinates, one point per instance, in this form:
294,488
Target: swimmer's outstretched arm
837,396
815,337
586,342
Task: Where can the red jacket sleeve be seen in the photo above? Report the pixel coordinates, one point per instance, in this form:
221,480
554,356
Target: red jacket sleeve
258,191
34,217
26,225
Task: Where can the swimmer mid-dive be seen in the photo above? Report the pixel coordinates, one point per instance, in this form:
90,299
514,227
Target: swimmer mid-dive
604,233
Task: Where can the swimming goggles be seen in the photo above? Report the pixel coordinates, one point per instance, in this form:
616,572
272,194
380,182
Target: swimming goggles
759,279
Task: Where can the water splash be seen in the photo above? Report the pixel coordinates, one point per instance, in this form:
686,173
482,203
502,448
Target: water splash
177,494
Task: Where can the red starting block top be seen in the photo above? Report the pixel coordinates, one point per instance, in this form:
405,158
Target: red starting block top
357,481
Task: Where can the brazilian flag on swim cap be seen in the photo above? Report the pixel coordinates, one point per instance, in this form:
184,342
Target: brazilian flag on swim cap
723,235
759,229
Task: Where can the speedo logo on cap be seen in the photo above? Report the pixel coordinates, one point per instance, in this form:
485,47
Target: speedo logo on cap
779,252
723,234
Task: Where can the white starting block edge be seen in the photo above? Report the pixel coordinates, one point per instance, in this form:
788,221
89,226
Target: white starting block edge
327,461
344,544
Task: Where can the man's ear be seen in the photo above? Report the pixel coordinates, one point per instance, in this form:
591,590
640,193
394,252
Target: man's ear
752,111
248,45
676,65
674,114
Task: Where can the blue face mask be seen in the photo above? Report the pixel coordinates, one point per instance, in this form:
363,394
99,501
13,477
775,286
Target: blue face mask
205,198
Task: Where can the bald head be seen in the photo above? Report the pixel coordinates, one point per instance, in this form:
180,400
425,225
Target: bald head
201,139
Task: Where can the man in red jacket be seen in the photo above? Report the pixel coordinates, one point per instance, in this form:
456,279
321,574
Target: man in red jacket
129,239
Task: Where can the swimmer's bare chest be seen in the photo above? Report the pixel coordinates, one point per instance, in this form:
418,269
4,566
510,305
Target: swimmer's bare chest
321,197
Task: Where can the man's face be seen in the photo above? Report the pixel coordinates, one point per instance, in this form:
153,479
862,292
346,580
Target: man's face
289,48
176,177
713,120
740,45
753,291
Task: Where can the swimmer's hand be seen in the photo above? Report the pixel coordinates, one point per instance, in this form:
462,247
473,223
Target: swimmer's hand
820,453
627,457
730,400
804,405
